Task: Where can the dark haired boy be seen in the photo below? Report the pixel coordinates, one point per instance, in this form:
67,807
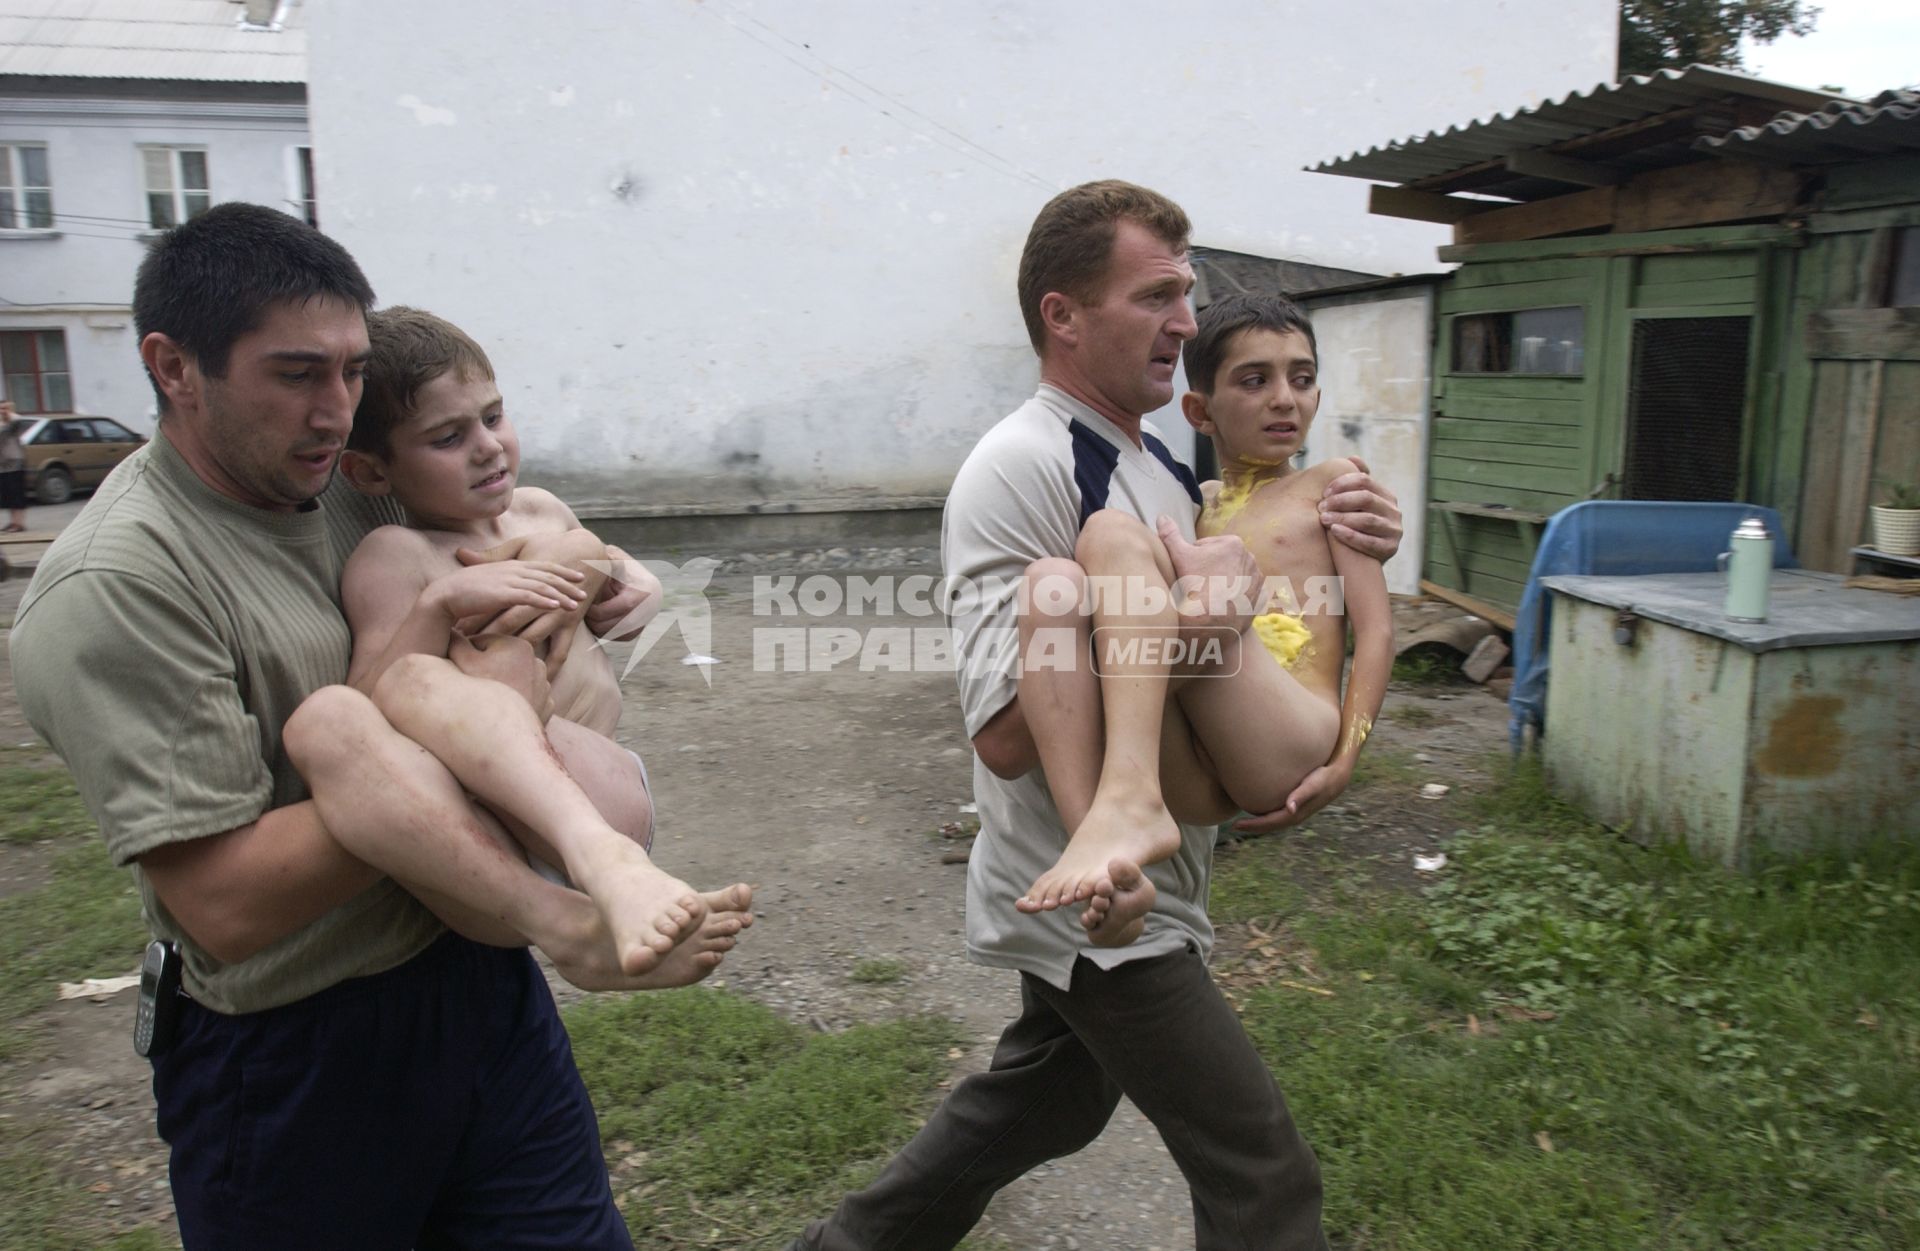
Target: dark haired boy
1270,730
344,1073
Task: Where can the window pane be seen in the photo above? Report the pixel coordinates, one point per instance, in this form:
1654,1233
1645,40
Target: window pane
196,202
16,353
160,211
53,351
6,166
159,168
39,212
33,167
1528,341
193,171
6,211
113,431
59,394
21,390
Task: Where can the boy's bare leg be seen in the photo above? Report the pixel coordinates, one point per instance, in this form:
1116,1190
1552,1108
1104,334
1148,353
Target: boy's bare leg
1259,731
388,801
1059,690
490,738
1127,819
611,778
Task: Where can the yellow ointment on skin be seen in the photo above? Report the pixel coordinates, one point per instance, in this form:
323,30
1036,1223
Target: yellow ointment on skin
1233,495
1357,734
1285,637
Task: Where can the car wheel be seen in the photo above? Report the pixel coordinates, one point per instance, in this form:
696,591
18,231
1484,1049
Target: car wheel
54,486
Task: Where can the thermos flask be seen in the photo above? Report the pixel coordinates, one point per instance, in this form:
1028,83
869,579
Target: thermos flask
1749,567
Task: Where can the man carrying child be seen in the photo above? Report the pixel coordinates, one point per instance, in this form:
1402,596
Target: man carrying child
345,1072
1103,284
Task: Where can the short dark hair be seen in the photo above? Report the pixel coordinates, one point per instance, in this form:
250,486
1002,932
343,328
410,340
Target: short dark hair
210,280
411,347
1220,321
1072,239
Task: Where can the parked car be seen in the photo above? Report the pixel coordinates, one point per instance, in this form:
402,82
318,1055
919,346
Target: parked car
65,454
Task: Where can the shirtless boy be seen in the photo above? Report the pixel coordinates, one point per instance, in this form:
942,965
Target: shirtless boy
1275,733
431,432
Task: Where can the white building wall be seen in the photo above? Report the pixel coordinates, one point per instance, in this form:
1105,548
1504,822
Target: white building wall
731,254
1375,378
79,276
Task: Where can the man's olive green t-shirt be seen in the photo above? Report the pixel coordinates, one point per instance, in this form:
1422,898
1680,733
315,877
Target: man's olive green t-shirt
167,636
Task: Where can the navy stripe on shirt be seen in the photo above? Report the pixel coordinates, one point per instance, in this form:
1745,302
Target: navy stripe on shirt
1165,456
1094,460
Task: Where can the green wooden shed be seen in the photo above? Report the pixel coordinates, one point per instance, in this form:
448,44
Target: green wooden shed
1692,286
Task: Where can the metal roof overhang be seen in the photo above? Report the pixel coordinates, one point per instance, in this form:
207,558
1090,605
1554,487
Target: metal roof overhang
1613,130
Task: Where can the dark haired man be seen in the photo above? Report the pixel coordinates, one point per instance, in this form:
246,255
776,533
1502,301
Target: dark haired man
345,1073
1103,286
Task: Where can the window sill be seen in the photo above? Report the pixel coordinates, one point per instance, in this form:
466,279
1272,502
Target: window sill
21,236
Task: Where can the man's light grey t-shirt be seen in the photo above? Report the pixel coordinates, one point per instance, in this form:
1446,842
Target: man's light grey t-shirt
1023,494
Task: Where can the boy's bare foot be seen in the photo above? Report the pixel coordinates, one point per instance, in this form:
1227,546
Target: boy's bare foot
1137,831
1116,914
648,912
728,912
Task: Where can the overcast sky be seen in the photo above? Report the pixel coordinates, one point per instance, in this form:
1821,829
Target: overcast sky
1861,46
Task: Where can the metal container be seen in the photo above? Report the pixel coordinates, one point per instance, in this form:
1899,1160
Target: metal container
1748,564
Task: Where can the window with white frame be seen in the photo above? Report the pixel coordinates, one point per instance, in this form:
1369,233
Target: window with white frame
35,363
303,174
26,188
176,182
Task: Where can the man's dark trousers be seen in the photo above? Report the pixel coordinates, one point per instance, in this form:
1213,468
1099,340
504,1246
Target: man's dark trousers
430,1107
1156,1030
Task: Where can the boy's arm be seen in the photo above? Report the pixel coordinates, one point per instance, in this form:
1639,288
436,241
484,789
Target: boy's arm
396,609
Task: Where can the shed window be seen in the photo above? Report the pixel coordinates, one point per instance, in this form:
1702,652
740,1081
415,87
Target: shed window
1527,341
1904,291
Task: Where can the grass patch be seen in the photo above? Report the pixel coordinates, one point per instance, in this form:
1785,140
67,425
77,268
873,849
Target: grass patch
85,922
728,1126
878,972
1428,669
42,1210
1574,1042
1412,715
1380,766
37,802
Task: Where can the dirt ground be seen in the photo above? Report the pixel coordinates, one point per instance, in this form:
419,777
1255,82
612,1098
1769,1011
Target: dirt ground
827,789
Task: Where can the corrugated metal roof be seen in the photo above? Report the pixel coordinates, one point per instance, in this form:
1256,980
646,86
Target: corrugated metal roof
1475,151
1843,131
193,40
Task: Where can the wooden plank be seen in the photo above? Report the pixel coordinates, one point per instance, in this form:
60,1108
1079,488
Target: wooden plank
1864,219
1539,164
1483,473
1818,546
1788,444
1704,192
1708,293
1424,206
1482,566
1513,497
1500,616
1553,388
1499,408
1563,214
1699,267
1499,273
1490,512
1696,240
1897,458
1566,456
1865,391
1864,334
1517,296
1870,184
